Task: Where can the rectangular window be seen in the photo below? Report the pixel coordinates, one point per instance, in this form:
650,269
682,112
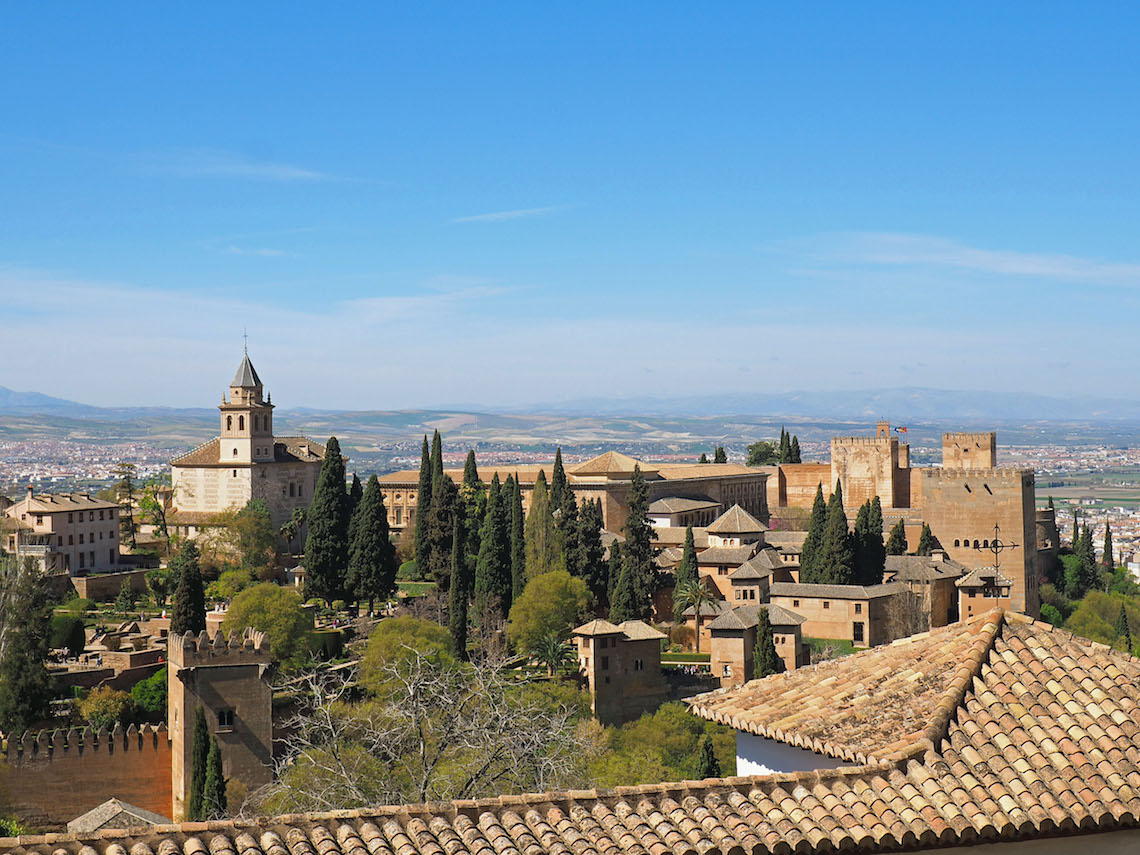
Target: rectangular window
605,663
111,556
858,608
795,604
858,631
81,537
71,540
111,514
92,557
60,540
91,516
81,564
826,604
399,516
728,670
69,517
100,515
39,520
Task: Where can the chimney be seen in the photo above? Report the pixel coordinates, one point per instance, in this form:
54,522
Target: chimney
938,555
29,492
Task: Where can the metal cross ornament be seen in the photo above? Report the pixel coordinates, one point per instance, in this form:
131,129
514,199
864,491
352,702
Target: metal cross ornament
998,546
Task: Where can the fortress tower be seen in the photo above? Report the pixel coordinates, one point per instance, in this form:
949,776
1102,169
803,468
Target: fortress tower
969,450
228,678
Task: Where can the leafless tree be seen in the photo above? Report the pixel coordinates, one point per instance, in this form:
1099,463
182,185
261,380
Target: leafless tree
435,730
908,612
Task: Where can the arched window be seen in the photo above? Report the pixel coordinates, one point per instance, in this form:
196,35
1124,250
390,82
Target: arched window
241,422
235,452
985,544
229,423
956,543
975,544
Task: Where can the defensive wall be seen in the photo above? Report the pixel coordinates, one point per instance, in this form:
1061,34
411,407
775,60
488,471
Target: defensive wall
105,586
51,777
969,450
867,467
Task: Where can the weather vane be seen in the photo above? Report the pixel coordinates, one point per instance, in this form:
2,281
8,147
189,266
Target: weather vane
998,546
245,340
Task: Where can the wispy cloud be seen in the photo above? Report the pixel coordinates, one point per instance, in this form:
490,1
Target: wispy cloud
501,216
906,250
215,163
255,251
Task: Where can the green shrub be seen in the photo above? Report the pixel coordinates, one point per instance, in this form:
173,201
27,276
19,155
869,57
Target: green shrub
104,707
326,644
407,572
339,605
79,605
1051,614
67,631
150,694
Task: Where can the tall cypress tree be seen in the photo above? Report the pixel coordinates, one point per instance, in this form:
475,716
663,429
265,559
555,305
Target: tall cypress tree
1123,632
704,458
1076,529
25,687
326,548
627,600
1107,560
796,450
471,469
837,557
472,504
639,537
784,455
860,539
188,608
687,570
457,610
896,543
355,494
436,459
543,547
423,506
493,582
707,764
813,543
517,538
927,542
567,525
199,757
614,564
719,456
214,804
591,559
371,553
440,526
874,548
557,481
765,660
1090,572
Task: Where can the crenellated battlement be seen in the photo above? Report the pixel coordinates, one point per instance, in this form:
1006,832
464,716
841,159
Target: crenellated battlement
963,436
870,441
189,650
1004,474
48,745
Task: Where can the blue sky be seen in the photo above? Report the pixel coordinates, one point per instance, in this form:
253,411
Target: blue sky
495,204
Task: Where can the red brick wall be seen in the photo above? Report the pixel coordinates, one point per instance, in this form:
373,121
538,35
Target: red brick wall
60,781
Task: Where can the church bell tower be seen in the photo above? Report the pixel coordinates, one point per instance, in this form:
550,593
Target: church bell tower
247,420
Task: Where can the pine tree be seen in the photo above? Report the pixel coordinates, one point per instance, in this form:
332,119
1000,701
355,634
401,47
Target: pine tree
837,556
614,565
517,538
796,450
896,542
638,550
765,660
543,547
626,602
493,580
371,553
704,458
25,687
423,505
326,548
214,793
440,526
1107,560
927,542
591,558
719,455
199,757
457,607
188,607
1123,633
784,454
707,764
813,543
687,569
557,481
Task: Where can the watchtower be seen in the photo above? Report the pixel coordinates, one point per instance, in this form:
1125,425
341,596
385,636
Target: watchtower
228,678
969,450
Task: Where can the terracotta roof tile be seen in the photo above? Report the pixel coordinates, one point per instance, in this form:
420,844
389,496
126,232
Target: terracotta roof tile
736,520
1015,731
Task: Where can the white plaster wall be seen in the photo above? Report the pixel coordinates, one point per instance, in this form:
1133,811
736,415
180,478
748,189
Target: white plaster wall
756,755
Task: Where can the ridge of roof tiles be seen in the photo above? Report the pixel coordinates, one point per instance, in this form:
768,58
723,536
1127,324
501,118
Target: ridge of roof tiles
1040,739
736,520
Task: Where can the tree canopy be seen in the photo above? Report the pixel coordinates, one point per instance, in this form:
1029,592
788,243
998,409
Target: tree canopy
550,604
326,548
278,612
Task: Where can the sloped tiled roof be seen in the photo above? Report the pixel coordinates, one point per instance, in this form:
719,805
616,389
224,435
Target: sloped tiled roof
610,463
759,566
640,631
983,576
835,592
726,554
598,626
922,568
745,617
674,535
679,504
246,375
115,813
736,520
1030,734
54,503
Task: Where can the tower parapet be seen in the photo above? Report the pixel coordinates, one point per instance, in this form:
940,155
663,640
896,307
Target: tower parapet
969,450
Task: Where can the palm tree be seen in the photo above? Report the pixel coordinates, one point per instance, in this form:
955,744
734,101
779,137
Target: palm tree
553,652
693,594
292,526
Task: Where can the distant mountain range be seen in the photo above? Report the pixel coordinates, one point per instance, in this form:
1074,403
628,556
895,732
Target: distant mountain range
898,405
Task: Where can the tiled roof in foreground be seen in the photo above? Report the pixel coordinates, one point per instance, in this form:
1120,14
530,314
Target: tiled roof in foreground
1036,736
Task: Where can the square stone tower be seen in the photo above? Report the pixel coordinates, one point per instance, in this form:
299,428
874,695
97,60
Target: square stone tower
229,679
